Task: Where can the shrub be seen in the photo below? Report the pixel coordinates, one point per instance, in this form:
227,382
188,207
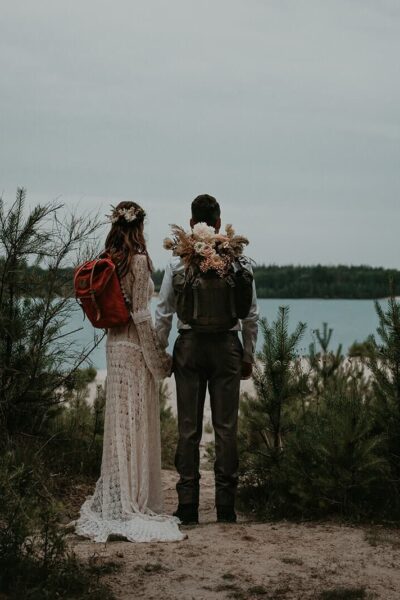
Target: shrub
76,432
333,458
310,445
36,354
265,419
35,563
169,429
383,361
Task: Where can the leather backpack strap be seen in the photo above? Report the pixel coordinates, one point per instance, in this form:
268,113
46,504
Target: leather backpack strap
92,292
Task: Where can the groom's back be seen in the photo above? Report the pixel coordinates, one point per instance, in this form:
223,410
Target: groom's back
213,294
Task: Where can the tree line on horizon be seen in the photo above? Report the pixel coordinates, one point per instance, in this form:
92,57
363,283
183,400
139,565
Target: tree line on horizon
325,281
320,281
360,282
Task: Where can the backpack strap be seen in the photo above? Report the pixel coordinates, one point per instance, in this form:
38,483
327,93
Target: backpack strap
231,284
128,302
91,290
195,288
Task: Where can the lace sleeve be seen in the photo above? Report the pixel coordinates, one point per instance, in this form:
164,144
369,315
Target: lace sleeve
157,360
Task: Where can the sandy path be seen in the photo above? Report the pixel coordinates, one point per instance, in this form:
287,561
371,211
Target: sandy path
253,560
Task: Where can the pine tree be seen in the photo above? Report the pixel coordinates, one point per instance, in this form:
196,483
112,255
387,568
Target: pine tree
324,363
265,418
36,356
275,378
334,459
383,361
301,457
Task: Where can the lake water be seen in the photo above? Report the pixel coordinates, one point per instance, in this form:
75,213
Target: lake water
351,320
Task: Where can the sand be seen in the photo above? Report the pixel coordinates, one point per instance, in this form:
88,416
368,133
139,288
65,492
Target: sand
252,560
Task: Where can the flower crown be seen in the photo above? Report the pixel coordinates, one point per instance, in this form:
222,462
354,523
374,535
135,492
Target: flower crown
208,250
129,214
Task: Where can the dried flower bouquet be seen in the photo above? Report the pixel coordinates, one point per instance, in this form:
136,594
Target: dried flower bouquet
206,249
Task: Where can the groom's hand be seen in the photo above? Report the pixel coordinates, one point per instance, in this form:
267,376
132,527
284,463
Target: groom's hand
247,370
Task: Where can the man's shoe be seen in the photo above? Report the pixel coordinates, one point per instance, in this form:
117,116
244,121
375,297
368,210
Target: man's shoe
226,514
188,514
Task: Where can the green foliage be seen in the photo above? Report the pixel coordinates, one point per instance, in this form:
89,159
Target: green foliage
36,356
265,419
35,563
47,430
76,431
324,364
329,454
324,281
318,281
209,455
384,362
208,428
169,429
333,459
276,380
360,349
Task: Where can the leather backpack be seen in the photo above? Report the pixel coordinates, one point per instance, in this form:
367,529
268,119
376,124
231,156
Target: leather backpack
98,291
210,303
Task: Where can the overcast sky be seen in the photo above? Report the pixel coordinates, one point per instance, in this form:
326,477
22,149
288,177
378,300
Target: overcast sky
288,111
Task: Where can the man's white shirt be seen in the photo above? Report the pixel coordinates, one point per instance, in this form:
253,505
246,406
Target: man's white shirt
166,308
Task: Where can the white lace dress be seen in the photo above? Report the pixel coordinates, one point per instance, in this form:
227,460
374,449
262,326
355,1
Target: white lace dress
128,499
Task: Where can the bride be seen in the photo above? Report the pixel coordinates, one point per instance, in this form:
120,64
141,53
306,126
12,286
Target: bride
128,499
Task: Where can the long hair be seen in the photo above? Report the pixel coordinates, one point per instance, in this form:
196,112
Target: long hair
126,238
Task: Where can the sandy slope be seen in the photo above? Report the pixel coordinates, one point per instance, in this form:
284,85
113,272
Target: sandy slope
252,560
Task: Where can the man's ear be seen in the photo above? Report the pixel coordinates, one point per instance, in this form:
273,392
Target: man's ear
192,223
218,224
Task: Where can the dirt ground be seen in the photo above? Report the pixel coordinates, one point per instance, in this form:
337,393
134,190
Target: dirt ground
252,560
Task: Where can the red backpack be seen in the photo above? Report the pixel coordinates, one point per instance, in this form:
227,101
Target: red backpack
99,293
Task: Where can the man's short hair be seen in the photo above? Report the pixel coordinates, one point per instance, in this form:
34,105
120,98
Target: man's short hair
205,209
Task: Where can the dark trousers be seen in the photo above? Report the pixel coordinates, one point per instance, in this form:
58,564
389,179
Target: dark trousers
202,359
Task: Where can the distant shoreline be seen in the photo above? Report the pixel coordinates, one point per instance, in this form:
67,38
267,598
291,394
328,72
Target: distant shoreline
320,282
316,282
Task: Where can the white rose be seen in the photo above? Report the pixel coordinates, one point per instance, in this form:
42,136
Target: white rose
203,231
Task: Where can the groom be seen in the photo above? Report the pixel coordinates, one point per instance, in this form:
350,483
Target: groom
216,360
